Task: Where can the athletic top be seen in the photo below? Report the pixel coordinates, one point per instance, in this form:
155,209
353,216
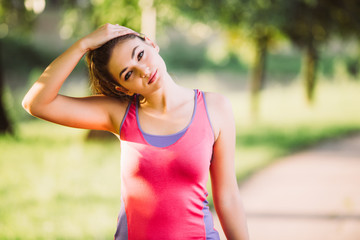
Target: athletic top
163,186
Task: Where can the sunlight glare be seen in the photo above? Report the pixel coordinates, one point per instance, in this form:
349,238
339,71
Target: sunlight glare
66,31
37,6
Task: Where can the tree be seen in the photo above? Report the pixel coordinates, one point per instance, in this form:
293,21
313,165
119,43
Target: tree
16,18
347,19
5,124
259,20
310,23
254,19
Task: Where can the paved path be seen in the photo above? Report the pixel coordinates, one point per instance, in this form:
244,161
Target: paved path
311,195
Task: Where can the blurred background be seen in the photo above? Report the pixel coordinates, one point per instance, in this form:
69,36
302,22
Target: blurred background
290,69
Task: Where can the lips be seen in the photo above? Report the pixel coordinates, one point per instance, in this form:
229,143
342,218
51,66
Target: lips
152,77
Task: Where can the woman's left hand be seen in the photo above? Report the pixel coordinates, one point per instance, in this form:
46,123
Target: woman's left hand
103,34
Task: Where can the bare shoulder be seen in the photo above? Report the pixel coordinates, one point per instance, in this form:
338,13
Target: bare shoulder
109,104
219,110
217,101
116,109
103,99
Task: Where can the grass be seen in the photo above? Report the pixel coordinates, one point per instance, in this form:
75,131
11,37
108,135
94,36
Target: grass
55,185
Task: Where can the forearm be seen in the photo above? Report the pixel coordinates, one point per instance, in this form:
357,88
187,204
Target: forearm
232,217
47,87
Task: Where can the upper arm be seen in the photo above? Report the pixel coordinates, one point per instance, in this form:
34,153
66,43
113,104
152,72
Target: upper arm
93,112
222,169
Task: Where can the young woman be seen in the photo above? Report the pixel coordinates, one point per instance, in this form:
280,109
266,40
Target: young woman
170,136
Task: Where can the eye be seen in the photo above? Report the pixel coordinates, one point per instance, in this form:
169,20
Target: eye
128,74
140,55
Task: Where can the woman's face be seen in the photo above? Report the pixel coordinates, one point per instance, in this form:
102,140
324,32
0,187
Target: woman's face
137,66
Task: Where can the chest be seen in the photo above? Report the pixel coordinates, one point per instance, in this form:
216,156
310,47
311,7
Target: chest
186,161
166,123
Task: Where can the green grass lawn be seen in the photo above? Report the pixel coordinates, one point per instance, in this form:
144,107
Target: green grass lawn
55,185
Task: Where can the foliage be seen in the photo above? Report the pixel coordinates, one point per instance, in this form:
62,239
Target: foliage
241,19
314,21
306,21
182,55
21,56
310,23
346,18
16,17
81,17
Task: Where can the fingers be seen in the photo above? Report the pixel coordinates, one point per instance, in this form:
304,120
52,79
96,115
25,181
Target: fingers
104,34
118,30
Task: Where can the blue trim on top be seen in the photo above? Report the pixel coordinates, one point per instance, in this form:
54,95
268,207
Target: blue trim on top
123,120
207,113
210,232
172,138
122,224
163,141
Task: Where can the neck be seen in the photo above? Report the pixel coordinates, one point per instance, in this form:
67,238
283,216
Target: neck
166,97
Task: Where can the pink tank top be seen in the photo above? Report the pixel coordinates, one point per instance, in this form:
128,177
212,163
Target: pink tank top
163,189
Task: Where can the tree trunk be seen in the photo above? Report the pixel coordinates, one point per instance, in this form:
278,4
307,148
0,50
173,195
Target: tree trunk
258,75
311,60
148,19
5,124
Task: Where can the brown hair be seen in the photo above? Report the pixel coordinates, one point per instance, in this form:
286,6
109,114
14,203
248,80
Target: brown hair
101,81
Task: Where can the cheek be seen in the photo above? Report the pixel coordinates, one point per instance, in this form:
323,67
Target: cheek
162,63
157,60
153,55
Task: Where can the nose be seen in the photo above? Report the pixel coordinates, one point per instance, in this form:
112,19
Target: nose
144,71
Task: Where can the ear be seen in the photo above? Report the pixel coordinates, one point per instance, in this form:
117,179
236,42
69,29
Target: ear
123,90
152,44
157,48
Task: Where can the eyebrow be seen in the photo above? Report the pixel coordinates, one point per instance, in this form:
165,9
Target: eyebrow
132,56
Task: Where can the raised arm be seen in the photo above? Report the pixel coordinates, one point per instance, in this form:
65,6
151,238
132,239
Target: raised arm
44,101
225,189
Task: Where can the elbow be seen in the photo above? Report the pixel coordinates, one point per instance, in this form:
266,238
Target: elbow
29,106
35,100
26,104
228,201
